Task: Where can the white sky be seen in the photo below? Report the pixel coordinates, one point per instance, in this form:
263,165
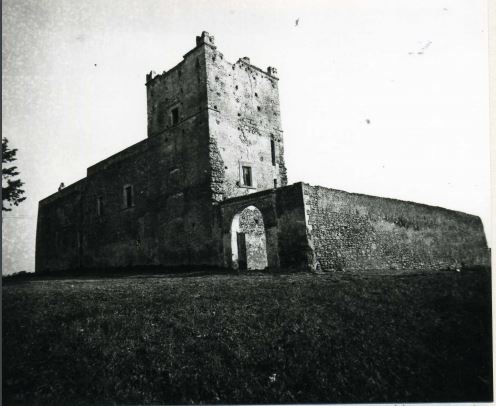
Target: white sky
74,94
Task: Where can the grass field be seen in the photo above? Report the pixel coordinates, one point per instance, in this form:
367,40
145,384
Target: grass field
248,338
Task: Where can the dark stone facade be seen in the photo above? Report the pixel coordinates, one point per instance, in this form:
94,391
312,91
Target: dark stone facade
214,149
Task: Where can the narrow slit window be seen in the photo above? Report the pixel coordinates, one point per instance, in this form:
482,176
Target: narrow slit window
128,196
175,115
275,183
273,151
247,179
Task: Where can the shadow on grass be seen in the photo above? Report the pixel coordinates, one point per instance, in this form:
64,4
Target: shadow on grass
250,337
190,271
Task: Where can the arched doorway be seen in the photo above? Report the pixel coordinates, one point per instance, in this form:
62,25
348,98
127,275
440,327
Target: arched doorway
248,240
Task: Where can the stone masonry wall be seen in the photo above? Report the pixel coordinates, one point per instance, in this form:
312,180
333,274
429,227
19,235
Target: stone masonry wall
171,219
58,237
283,218
358,232
182,87
169,222
293,246
251,223
244,117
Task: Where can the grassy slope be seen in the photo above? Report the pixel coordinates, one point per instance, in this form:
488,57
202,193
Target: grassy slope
248,338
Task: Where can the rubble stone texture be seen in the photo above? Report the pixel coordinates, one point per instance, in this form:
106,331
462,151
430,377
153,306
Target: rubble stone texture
252,226
171,199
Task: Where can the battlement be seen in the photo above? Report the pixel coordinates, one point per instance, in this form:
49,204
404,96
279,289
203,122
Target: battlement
271,71
205,38
150,76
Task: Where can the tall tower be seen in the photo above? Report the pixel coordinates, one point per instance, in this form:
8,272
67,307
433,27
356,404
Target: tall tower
218,127
246,139
231,109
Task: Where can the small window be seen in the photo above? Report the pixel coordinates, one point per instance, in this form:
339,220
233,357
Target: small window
128,196
273,151
275,183
99,206
247,180
175,115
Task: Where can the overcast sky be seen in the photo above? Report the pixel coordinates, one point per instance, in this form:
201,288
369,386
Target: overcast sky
383,97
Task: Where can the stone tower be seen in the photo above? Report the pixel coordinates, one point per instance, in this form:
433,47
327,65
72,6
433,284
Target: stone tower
217,127
246,139
232,109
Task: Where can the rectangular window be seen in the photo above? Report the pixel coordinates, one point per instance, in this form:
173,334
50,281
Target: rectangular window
247,181
273,151
275,183
175,115
128,196
99,206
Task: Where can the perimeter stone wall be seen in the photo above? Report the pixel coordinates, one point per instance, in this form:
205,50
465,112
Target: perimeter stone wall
358,232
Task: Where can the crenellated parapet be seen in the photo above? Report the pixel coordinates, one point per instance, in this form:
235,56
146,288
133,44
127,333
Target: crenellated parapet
205,38
272,71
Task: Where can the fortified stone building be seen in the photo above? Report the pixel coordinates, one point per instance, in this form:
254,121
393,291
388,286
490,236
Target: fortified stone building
209,187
